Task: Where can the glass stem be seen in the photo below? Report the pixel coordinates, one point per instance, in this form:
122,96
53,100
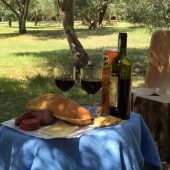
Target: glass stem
65,94
91,100
92,108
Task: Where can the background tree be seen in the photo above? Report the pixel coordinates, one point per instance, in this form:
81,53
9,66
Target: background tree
6,14
80,57
42,10
153,13
20,10
91,12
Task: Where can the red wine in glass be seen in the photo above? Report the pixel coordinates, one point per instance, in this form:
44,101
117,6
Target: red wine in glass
91,83
64,84
64,78
91,86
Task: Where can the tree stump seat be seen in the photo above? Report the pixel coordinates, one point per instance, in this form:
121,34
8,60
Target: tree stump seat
155,110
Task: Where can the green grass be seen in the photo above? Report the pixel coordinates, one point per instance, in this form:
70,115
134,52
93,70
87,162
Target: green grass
27,61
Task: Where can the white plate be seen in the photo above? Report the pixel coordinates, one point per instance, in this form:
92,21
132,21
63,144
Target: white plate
37,133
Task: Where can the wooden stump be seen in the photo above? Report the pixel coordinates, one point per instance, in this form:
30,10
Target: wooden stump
155,111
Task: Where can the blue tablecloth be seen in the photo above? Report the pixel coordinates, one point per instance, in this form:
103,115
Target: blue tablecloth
120,147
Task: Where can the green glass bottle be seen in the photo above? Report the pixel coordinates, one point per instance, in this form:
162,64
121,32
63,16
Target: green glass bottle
120,81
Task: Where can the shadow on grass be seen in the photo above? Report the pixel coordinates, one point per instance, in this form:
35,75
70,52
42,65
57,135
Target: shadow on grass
44,33
15,94
9,35
139,58
64,56
52,58
47,34
40,34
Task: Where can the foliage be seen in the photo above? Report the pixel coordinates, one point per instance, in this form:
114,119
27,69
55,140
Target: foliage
44,10
20,10
154,13
88,10
118,9
5,13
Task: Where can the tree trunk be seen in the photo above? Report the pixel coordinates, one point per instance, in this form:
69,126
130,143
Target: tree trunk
80,57
36,21
155,110
22,28
102,12
20,11
35,18
10,22
93,25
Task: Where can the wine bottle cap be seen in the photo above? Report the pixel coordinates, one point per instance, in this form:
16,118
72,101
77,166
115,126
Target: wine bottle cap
123,34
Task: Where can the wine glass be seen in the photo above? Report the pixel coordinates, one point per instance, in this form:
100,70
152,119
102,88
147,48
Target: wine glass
64,78
91,82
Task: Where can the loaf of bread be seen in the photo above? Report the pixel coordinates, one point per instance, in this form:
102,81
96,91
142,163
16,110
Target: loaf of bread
61,108
41,102
69,111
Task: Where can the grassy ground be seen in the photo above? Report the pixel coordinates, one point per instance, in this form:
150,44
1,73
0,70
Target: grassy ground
27,61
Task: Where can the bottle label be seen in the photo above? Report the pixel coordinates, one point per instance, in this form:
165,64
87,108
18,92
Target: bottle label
113,95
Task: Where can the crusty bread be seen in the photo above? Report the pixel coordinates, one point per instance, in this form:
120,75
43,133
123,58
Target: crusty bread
61,108
40,103
70,111
73,120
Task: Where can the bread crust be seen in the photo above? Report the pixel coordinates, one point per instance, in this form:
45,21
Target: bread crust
75,121
40,103
70,111
62,108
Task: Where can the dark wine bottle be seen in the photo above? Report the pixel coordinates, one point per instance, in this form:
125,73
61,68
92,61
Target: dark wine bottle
120,81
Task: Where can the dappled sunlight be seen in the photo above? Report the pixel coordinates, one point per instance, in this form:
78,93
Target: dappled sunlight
27,61
159,61
138,83
14,94
107,149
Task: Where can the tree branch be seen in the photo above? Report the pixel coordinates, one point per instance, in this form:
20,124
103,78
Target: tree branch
80,57
25,9
11,8
19,5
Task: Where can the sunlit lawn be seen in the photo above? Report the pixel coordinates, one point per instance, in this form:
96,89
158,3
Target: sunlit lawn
27,61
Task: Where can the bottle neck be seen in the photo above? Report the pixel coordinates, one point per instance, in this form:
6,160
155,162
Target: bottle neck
122,45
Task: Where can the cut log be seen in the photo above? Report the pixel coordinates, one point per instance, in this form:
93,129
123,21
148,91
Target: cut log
155,111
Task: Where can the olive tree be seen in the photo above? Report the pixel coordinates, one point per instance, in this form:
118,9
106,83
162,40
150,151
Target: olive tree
6,14
80,57
153,13
91,12
20,10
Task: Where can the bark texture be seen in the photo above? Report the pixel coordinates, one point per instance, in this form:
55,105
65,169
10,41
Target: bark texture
153,103
102,12
156,114
80,57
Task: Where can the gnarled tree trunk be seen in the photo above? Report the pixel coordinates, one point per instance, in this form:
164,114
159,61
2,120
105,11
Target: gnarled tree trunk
80,57
102,12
